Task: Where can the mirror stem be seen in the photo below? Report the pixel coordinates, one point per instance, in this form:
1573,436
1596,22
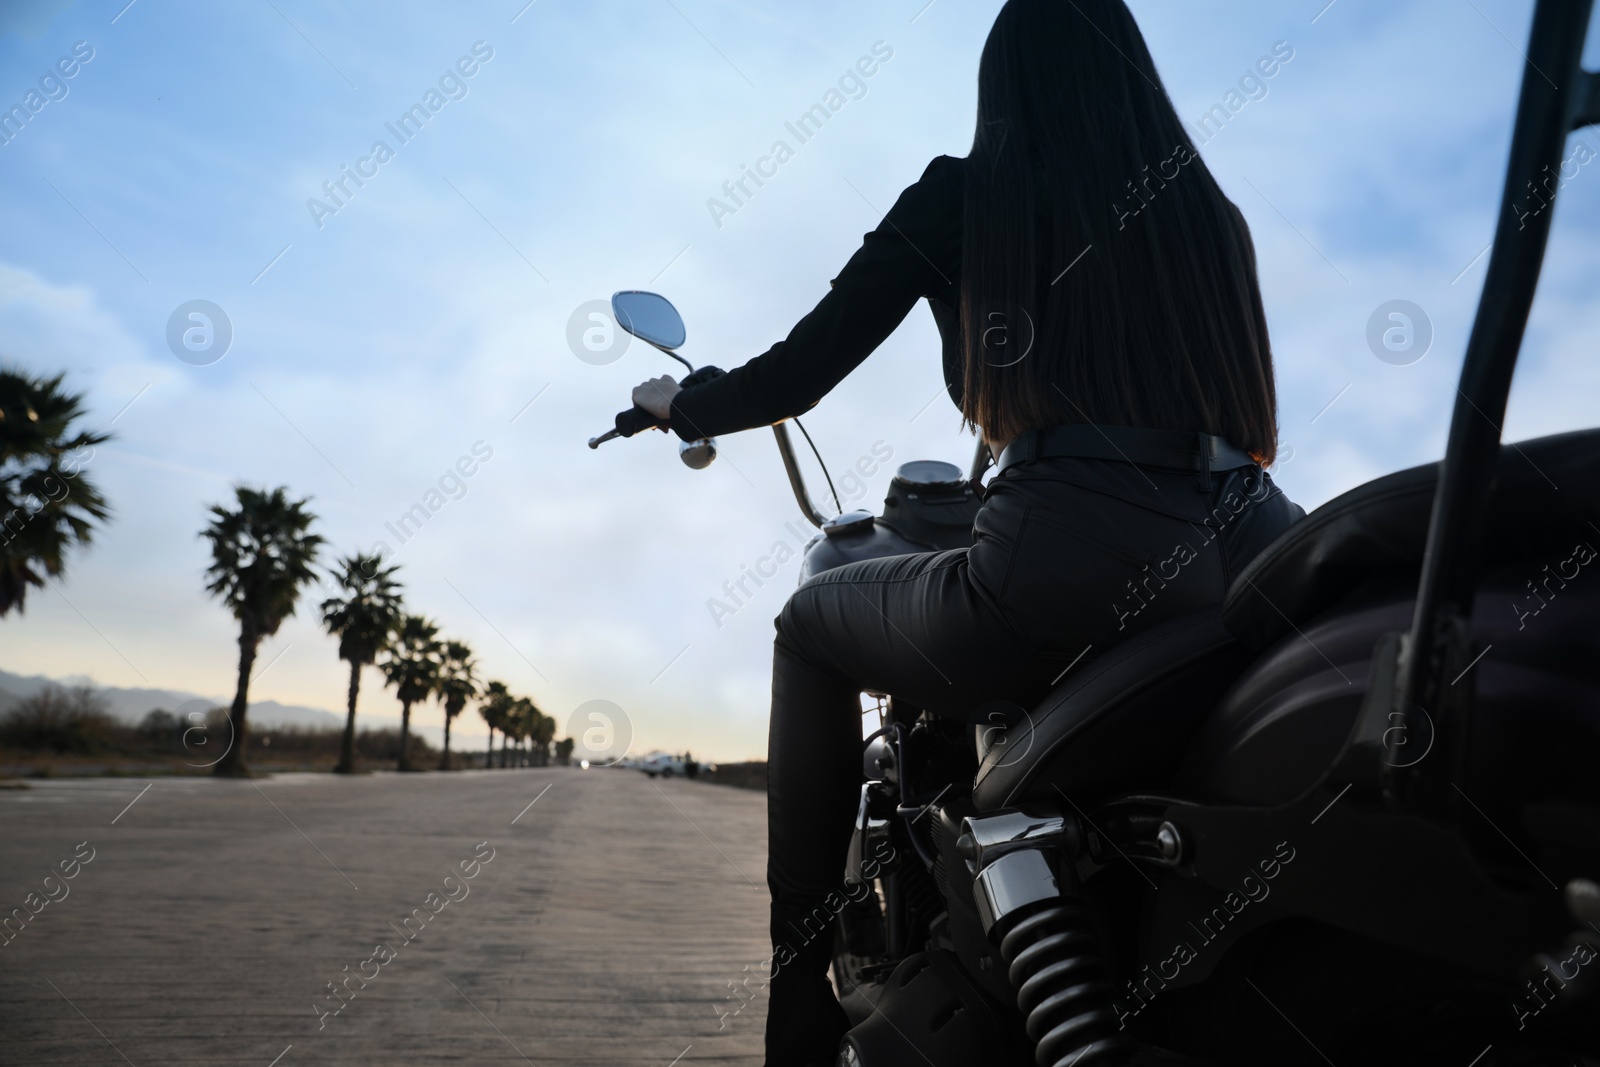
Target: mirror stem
669,352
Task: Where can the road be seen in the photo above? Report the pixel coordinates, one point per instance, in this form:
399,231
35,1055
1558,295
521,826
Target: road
602,924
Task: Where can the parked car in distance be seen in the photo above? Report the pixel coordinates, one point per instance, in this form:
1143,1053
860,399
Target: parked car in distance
663,765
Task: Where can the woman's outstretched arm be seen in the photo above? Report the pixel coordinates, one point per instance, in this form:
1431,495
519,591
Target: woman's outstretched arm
914,252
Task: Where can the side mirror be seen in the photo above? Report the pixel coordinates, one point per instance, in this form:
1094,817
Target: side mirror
649,317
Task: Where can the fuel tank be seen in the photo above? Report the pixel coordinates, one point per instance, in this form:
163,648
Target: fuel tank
929,508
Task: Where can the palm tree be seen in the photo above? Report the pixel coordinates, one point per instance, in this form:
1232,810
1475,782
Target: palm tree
458,683
47,506
261,555
508,732
544,731
521,721
362,620
412,667
496,699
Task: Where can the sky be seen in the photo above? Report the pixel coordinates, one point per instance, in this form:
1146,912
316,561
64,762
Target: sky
403,330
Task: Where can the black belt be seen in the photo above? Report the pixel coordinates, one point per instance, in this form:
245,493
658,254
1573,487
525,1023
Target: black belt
1169,449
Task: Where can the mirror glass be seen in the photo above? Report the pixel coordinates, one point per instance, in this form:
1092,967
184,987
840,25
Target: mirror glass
649,317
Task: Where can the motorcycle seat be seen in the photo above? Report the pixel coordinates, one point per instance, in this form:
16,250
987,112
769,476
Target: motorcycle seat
1319,598
1125,717
1545,492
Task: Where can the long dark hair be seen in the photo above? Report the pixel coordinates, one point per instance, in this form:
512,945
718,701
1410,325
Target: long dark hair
1097,242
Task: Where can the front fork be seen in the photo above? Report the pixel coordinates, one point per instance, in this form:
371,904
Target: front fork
872,855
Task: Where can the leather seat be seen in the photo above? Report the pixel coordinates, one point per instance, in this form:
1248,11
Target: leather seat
1330,587
1122,719
1545,491
1534,719
1126,720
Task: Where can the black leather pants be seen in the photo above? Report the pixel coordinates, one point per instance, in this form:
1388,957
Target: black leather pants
1069,554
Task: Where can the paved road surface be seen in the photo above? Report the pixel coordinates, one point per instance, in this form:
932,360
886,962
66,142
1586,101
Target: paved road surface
605,929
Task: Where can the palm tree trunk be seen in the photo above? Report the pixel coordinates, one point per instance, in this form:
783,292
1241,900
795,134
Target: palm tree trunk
232,763
505,739
347,746
488,757
405,735
444,757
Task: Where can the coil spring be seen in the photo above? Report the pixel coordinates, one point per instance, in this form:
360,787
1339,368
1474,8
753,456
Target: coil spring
1055,966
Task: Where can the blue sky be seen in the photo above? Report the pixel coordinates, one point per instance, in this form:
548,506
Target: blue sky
375,347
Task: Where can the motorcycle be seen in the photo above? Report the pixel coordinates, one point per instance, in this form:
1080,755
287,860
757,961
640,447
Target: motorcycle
1349,816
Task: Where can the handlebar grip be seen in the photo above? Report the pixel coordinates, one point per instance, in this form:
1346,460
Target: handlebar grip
636,420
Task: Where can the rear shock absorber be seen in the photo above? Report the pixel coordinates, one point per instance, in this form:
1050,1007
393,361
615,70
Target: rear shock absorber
1047,940
1053,959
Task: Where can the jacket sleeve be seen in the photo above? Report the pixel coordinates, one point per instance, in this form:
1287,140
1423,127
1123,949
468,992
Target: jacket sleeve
915,251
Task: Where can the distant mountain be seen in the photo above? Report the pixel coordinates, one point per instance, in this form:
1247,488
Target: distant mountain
131,705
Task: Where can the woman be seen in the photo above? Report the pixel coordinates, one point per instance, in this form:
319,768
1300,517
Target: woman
1103,330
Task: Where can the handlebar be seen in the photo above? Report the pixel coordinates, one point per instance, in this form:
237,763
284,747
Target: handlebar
636,420
633,421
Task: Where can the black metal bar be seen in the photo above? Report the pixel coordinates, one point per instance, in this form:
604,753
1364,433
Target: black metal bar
1588,112
1549,107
